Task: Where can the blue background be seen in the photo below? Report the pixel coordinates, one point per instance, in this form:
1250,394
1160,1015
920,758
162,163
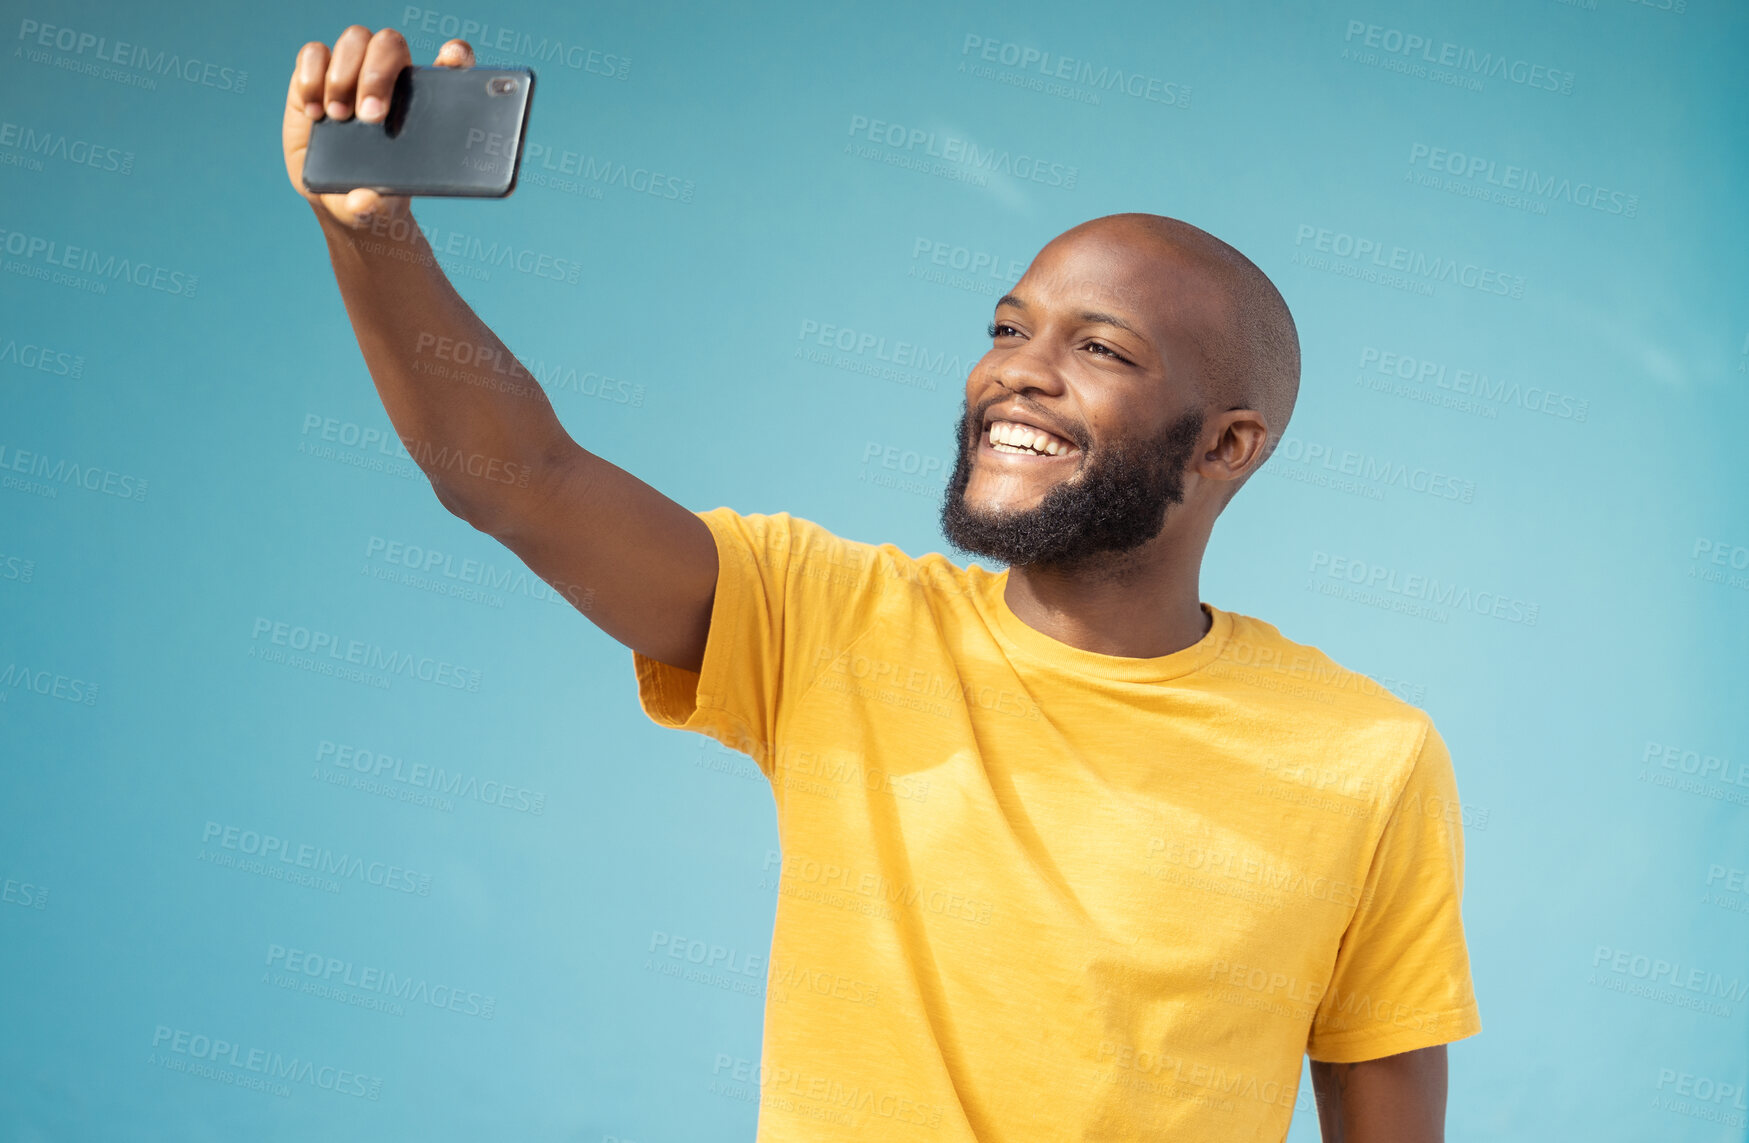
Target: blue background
1594,483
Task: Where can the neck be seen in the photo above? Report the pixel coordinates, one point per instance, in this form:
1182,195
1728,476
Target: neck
1138,605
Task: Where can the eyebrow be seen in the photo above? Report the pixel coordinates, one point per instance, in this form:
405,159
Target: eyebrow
1086,315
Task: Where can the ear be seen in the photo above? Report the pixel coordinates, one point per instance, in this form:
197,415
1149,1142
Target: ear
1234,445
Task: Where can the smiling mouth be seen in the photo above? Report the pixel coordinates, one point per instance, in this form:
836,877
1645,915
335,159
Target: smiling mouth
1010,438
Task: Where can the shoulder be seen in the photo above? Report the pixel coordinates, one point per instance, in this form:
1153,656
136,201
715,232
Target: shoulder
800,546
1257,651
780,539
1342,707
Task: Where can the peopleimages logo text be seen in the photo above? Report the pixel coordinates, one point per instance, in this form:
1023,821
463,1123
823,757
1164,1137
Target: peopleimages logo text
1379,578
1532,182
167,64
953,149
217,1052
1408,260
359,653
344,866
1051,65
36,249
1457,57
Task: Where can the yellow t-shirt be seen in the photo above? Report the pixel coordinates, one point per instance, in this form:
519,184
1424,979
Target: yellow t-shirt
1032,892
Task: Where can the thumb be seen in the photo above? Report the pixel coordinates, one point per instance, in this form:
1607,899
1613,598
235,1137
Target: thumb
363,206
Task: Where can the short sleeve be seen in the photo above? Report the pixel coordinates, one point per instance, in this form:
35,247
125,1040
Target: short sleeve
789,596
1402,974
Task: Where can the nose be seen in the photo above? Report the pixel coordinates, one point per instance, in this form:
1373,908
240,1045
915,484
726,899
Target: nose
1028,369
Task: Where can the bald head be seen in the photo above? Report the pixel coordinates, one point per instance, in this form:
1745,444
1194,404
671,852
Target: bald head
1248,347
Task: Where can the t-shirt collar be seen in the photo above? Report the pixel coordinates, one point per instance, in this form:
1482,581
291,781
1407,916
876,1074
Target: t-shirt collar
1036,645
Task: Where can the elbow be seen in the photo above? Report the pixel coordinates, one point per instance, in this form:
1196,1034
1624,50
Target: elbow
504,508
471,510
494,510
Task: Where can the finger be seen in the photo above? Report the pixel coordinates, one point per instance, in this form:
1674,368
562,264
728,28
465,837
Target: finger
455,53
384,58
342,80
305,94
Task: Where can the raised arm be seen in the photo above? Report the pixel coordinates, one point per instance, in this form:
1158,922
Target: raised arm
1394,1099
640,566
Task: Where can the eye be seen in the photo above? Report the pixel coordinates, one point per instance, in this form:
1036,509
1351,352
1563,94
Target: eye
997,327
1107,351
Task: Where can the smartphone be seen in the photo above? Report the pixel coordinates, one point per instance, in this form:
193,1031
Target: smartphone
453,132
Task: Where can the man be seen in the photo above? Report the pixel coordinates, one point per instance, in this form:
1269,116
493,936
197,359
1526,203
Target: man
1067,852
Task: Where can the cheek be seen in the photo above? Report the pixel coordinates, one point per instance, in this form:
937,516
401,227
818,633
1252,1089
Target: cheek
1106,426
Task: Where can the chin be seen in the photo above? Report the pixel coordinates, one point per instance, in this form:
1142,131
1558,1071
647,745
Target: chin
993,504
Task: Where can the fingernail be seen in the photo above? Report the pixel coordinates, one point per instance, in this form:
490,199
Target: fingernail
313,109
337,109
370,108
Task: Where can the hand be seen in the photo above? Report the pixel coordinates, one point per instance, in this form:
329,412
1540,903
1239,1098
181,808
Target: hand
358,75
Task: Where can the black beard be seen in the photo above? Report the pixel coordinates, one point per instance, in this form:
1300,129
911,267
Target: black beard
1114,503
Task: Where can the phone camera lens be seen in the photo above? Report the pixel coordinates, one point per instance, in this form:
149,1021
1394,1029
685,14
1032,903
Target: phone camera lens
500,85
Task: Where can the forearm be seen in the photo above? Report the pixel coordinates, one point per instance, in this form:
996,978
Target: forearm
466,410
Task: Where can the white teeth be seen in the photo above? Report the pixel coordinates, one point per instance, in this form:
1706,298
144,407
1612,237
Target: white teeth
1023,438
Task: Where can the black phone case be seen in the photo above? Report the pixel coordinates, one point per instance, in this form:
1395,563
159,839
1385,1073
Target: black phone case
446,134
